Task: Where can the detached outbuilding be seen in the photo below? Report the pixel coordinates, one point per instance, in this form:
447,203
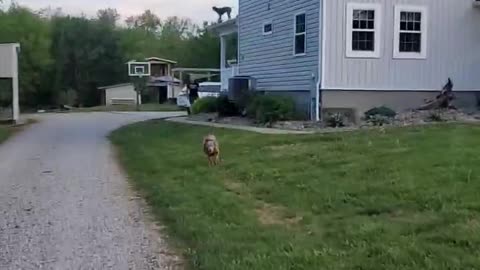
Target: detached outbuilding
119,94
9,86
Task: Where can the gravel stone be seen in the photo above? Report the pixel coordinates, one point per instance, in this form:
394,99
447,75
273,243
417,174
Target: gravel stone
66,204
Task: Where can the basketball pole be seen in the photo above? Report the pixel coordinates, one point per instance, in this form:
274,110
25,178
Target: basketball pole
137,77
137,88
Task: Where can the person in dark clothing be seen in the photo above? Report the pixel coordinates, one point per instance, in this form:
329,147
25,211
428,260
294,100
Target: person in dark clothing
192,93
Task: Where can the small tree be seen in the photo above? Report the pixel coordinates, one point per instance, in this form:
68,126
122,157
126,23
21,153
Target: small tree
140,84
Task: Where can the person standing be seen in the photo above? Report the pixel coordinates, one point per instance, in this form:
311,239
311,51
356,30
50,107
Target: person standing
192,94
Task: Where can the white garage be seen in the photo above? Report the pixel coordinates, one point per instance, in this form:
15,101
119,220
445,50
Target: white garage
119,94
9,89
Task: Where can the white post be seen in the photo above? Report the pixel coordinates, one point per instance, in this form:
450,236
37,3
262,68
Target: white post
15,87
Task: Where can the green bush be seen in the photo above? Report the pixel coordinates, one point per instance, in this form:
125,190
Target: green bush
380,116
227,108
336,120
205,105
270,109
379,120
382,111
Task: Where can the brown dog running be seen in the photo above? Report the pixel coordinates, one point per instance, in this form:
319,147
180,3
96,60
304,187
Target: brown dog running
211,148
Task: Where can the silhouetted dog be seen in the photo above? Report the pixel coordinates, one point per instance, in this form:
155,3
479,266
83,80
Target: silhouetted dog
221,11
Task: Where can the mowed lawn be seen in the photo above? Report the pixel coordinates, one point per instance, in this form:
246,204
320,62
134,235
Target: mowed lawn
5,132
404,199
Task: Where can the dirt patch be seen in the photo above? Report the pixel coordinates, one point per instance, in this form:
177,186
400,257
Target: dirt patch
282,147
472,225
286,150
235,187
269,214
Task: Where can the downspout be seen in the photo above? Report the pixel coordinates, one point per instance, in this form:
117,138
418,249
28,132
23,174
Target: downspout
317,101
321,68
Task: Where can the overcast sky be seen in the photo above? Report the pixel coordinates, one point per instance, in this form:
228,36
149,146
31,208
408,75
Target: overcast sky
197,10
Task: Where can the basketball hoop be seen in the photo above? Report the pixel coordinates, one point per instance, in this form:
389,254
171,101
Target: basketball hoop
139,69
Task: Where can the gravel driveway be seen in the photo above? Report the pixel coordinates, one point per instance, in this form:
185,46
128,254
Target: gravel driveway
65,203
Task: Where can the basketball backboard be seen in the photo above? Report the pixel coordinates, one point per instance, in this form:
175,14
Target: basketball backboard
139,69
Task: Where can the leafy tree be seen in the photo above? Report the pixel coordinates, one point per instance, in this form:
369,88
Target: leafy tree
108,16
147,21
64,58
87,63
33,33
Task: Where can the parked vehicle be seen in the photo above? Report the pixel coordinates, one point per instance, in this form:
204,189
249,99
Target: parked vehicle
207,89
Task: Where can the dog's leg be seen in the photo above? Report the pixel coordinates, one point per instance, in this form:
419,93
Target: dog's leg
229,13
209,162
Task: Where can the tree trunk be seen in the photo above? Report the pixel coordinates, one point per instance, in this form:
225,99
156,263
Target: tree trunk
443,100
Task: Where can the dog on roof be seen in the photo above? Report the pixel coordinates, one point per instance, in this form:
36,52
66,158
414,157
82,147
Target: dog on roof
211,148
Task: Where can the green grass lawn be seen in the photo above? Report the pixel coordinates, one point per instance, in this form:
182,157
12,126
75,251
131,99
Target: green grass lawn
406,199
143,107
5,132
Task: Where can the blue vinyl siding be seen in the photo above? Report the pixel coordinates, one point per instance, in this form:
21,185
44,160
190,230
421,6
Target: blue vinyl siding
270,58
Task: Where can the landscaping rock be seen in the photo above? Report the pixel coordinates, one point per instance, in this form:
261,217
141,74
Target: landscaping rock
290,125
423,117
407,118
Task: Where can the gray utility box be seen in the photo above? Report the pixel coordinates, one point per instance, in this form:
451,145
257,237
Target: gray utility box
239,85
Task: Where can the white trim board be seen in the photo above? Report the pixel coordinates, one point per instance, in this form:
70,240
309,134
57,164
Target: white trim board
323,36
394,89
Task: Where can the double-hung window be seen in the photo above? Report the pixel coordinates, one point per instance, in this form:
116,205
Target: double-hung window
300,41
410,41
363,30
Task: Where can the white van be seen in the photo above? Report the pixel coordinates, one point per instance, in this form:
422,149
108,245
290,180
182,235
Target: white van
207,89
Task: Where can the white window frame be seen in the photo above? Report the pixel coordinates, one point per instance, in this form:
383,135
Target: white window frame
263,28
295,34
350,53
424,31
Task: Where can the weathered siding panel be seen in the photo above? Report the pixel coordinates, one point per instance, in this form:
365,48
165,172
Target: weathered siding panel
6,61
270,58
453,49
124,92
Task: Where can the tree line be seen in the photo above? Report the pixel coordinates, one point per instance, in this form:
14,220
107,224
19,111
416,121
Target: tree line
65,58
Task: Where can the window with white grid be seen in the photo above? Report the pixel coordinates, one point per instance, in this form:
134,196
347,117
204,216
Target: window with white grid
410,40
363,30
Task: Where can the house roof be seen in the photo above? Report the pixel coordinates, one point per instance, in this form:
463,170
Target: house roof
158,59
114,86
224,28
195,69
169,79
